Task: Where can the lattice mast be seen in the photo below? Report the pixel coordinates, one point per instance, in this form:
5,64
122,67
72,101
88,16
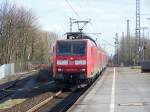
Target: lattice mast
138,39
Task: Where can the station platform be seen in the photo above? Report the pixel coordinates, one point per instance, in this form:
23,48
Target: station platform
120,89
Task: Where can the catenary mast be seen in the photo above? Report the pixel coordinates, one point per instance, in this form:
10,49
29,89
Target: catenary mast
138,39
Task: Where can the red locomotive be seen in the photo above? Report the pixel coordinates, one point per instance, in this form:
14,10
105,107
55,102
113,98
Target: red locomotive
77,59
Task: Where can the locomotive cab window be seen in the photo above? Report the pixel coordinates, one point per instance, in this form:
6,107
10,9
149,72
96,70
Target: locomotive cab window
64,48
71,48
79,48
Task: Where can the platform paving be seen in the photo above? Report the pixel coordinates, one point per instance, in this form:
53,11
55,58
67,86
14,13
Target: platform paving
120,89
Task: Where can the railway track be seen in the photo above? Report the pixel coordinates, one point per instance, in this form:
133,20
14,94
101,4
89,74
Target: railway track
52,100
4,89
62,100
65,104
38,106
37,95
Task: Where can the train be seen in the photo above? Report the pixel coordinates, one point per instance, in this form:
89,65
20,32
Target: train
77,59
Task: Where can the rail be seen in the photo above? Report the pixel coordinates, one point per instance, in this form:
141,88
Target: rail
36,107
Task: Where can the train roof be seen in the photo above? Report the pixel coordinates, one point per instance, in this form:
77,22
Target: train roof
79,35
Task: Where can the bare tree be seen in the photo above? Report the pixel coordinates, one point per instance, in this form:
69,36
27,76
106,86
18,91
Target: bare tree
130,56
21,39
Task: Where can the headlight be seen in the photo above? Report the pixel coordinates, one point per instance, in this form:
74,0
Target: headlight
62,62
80,62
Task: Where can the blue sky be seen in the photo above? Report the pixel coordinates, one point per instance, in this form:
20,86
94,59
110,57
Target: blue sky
107,16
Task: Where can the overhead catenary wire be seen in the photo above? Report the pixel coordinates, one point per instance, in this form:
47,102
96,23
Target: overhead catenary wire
92,26
108,43
75,12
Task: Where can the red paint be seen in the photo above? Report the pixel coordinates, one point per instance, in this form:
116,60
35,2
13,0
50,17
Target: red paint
95,58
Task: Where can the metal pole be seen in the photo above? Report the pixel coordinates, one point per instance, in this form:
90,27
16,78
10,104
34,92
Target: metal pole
116,49
115,52
143,42
70,20
143,45
123,47
138,40
128,40
71,23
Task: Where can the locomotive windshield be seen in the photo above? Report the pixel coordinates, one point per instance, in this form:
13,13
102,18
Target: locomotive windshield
71,48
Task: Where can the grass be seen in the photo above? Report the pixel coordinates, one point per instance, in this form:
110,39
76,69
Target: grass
10,103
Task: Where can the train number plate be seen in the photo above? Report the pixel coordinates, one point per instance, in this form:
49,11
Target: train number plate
71,62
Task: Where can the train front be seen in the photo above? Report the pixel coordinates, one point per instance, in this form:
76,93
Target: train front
70,61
